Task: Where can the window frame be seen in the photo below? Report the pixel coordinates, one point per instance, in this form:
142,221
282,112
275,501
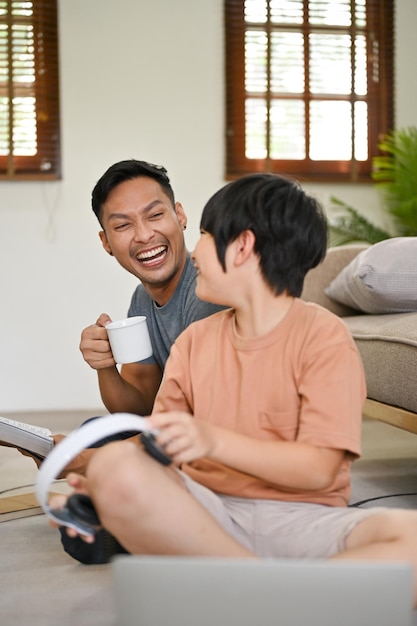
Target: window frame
46,163
380,99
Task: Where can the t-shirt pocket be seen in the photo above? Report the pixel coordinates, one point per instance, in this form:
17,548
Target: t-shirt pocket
281,425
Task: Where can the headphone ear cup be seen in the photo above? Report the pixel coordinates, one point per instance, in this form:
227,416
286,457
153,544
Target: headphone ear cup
82,508
148,441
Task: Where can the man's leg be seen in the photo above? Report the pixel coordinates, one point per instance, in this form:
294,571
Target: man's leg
389,535
147,507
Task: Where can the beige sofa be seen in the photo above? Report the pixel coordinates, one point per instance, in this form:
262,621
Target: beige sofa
387,344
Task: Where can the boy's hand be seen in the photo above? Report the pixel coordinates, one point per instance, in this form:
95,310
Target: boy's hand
183,437
79,485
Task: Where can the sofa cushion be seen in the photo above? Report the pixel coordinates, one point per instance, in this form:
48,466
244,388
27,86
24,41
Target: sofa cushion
388,347
321,276
380,279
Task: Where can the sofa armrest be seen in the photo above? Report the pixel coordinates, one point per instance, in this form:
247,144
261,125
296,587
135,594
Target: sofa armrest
321,276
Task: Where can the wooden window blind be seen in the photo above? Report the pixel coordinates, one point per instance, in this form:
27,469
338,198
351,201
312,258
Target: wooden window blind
309,86
29,90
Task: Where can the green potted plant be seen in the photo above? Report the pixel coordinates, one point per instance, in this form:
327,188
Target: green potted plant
395,176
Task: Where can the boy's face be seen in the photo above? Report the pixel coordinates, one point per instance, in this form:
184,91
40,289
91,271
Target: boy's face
144,232
211,279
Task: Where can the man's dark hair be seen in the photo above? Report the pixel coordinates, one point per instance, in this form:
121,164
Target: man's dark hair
127,170
290,227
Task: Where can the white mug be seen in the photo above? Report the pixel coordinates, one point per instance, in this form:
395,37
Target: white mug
129,339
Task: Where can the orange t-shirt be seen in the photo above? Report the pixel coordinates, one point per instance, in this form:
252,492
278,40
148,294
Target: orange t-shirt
303,381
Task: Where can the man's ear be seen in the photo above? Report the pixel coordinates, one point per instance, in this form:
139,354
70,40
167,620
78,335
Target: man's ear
104,242
182,218
244,246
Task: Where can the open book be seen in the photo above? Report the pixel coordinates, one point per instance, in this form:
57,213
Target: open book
34,439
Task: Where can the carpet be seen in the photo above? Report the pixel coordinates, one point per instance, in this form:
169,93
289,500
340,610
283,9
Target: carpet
42,586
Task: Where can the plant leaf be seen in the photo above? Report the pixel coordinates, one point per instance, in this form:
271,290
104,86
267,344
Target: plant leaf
395,174
352,226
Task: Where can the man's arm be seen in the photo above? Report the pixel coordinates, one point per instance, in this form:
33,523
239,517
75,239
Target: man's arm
131,390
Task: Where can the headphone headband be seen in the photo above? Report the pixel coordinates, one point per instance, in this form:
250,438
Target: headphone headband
76,442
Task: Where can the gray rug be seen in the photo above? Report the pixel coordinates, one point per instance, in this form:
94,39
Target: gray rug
42,586
388,483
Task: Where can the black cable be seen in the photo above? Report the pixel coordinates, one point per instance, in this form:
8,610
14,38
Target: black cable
15,488
392,495
58,480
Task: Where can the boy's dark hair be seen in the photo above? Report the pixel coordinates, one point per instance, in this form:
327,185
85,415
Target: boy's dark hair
127,170
290,227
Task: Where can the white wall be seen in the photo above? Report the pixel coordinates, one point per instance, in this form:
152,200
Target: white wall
143,82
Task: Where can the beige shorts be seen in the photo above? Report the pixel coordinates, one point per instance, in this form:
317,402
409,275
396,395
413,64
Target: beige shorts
275,529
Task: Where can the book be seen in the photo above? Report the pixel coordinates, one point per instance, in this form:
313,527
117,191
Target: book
34,439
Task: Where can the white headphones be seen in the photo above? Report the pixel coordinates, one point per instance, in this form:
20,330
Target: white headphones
69,448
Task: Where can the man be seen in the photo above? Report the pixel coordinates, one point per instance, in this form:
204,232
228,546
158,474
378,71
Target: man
259,408
143,229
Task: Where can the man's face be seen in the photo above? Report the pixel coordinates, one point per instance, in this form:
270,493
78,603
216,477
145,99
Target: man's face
144,232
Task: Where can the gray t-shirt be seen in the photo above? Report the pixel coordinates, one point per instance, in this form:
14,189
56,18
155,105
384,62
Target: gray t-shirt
166,322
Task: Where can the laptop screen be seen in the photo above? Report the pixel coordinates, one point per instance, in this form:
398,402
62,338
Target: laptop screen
194,591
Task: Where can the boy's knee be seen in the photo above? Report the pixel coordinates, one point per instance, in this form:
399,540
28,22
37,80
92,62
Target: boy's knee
407,522
400,518
388,525
399,524
111,466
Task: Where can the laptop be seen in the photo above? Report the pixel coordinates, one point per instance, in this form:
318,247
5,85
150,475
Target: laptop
197,591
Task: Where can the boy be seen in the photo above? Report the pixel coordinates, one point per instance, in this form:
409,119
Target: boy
260,407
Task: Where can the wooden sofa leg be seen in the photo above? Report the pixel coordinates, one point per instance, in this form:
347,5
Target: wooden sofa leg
390,415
